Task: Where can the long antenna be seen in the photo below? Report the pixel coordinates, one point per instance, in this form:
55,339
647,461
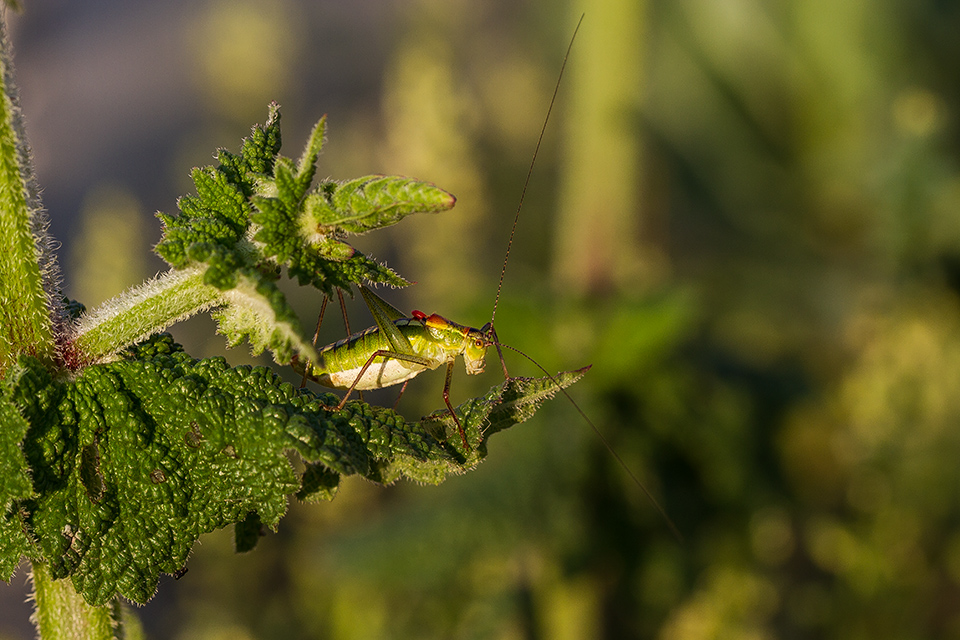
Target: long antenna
526,183
491,330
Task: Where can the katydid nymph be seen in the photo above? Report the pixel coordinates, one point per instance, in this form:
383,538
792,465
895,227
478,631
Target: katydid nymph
400,347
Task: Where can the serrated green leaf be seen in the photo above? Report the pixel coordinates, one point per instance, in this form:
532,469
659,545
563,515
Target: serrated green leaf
15,484
222,196
183,447
263,145
327,264
212,225
371,202
513,401
134,459
308,159
291,184
346,266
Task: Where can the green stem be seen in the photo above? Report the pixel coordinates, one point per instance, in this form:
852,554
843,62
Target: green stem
602,233
135,315
25,325
62,613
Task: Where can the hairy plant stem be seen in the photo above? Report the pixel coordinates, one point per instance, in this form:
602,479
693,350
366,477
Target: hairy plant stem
26,261
62,614
135,315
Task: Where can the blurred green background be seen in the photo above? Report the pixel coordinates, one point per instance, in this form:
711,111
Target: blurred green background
746,216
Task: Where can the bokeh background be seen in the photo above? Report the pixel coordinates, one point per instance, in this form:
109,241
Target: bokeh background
746,216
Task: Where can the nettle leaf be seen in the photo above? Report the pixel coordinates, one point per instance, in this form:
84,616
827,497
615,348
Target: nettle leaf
513,401
133,460
333,263
371,202
257,153
15,482
220,212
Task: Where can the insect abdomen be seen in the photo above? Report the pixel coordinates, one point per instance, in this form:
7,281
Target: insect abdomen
340,363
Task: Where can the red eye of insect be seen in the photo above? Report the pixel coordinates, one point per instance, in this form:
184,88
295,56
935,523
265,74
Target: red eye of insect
478,342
